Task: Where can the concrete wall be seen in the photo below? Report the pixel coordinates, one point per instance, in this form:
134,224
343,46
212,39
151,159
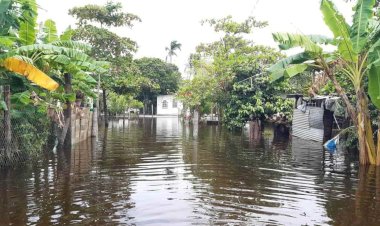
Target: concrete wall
169,109
81,125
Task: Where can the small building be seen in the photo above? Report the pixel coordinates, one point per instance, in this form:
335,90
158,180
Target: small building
168,105
313,119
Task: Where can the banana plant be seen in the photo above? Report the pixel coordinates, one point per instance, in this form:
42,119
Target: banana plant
23,18
357,56
32,73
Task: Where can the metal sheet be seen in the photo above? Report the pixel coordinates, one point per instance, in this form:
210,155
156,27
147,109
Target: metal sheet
301,126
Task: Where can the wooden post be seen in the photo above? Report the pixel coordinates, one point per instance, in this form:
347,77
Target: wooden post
94,129
328,121
7,121
254,129
196,117
220,112
152,110
65,139
105,107
95,113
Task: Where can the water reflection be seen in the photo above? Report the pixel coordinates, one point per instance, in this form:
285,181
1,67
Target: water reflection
163,172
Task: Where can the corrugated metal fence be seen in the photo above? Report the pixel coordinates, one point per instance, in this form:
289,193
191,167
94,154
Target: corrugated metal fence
309,124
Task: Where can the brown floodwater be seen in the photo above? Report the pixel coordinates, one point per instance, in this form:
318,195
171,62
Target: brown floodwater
161,172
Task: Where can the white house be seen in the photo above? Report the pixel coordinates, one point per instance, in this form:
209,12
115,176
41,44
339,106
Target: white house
168,105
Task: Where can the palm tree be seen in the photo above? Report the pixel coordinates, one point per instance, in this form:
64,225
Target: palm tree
174,45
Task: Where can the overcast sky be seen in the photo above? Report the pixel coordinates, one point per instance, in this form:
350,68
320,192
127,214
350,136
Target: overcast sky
167,20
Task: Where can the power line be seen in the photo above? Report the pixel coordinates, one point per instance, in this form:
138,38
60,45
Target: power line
254,7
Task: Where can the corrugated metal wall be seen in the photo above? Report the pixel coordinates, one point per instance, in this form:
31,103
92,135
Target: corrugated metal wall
308,125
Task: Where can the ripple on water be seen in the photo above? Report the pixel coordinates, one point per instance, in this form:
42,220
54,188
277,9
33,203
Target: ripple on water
160,172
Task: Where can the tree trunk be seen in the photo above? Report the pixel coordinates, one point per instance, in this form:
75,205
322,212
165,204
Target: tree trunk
254,130
220,115
196,117
105,109
365,134
65,138
7,121
362,122
350,109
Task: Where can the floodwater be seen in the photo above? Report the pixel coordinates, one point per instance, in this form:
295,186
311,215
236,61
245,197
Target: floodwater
160,172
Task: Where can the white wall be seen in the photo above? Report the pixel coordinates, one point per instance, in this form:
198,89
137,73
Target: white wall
170,110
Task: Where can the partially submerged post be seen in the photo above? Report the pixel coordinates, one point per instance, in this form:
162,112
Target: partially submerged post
94,129
105,109
254,129
196,117
95,113
7,121
65,138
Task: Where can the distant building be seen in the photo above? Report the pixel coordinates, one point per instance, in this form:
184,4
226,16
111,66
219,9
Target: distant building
168,105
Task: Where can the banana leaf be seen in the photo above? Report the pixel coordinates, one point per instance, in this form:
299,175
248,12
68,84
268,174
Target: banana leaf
31,73
339,27
359,28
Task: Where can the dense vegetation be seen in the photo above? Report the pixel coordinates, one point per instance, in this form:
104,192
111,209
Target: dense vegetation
233,77
229,76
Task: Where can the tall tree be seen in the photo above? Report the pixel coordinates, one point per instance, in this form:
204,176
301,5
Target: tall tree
94,26
160,78
173,47
221,58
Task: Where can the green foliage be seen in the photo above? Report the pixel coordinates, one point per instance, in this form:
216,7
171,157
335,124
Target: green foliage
160,78
106,44
296,40
110,15
67,34
31,129
50,30
118,104
351,57
3,106
259,100
174,45
359,29
223,70
27,30
337,24
278,70
197,92
94,27
231,27
374,85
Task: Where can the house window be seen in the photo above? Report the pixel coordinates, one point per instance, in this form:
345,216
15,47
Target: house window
165,104
174,104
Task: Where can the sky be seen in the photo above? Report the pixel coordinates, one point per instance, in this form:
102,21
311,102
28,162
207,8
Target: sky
166,20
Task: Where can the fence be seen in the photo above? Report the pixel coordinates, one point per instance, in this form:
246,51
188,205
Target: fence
27,132
22,132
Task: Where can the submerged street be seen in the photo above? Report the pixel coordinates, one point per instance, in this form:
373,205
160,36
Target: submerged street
163,172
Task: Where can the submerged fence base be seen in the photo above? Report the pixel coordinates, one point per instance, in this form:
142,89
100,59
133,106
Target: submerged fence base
29,133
